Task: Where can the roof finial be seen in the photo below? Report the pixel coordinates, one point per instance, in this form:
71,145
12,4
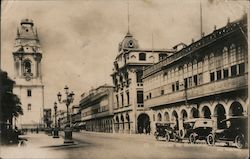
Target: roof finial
128,14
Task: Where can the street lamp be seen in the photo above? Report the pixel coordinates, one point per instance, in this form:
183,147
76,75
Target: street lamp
55,128
69,99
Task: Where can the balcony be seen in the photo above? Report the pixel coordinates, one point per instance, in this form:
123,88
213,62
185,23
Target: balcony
220,86
123,109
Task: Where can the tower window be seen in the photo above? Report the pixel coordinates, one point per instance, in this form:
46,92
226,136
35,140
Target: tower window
139,97
139,74
29,106
27,66
29,93
142,56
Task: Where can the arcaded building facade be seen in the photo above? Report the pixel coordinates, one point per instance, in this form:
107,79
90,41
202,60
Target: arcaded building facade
130,115
96,109
208,78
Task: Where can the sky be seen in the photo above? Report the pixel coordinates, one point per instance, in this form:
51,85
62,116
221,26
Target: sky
80,38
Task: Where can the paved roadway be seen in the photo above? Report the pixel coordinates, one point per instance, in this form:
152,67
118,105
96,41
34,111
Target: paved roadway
116,146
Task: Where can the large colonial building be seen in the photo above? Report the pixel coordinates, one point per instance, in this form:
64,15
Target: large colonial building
29,86
129,112
96,109
208,78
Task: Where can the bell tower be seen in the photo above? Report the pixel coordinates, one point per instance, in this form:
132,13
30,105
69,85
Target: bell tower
29,86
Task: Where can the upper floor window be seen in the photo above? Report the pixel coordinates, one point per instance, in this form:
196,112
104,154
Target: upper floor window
240,54
29,106
211,61
139,97
142,56
225,56
139,74
232,54
162,56
29,93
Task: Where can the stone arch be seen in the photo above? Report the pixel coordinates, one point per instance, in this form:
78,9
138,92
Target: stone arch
122,122
175,119
220,114
128,120
194,113
206,112
166,116
143,123
240,101
184,115
159,117
27,66
236,109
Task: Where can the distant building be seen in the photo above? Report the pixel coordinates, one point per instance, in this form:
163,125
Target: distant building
130,115
29,86
208,78
96,109
47,117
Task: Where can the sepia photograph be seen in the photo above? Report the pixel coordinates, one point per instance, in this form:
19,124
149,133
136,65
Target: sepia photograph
119,79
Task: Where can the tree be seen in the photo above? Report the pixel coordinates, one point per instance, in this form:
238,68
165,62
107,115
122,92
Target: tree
10,105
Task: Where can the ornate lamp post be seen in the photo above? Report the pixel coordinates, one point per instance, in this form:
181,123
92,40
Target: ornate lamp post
55,135
69,99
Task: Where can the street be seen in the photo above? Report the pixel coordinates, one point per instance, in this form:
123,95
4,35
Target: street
102,145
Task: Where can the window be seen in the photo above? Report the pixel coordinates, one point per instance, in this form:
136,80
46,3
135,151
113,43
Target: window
162,92
190,82
225,56
139,97
117,100
225,73
234,70
162,56
195,80
212,76
29,106
219,75
153,117
200,79
211,61
241,69
122,98
185,83
177,85
29,94
139,74
128,98
173,87
27,66
142,56
150,95
232,54
240,54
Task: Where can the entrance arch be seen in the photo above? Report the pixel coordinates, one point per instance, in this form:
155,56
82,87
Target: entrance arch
122,120
184,115
236,109
195,113
220,115
143,123
175,119
166,116
159,117
128,120
206,112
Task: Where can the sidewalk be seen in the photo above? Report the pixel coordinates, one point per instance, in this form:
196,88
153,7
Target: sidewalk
37,146
142,136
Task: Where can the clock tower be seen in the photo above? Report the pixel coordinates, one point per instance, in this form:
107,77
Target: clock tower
29,86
